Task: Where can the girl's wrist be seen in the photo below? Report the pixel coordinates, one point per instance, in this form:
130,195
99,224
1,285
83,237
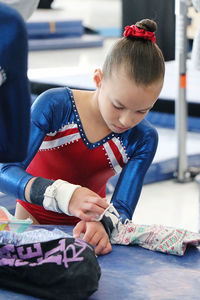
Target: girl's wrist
28,189
58,195
36,188
53,195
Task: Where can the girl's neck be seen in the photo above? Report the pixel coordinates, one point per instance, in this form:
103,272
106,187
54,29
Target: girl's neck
95,108
93,124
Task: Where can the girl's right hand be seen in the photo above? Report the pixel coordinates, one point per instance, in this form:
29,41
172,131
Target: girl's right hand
95,234
86,204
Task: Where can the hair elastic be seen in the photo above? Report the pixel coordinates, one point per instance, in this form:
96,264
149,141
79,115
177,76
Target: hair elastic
134,31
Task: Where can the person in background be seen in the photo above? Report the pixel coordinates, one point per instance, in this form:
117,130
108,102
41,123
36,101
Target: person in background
79,139
14,86
24,7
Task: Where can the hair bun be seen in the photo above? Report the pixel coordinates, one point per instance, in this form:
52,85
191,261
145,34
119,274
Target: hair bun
147,24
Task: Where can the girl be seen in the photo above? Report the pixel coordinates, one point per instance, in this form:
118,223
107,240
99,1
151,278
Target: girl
79,139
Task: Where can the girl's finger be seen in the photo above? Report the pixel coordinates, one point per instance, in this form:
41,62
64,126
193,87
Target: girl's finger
101,246
107,249
101,202
79,228
87,217
93,208
92,239
89,233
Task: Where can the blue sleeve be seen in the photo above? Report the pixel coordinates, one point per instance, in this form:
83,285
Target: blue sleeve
130,182
47,113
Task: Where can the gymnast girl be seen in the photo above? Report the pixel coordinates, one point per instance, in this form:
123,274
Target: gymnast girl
79,139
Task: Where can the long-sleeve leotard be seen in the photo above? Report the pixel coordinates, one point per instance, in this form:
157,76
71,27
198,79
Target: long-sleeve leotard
59,149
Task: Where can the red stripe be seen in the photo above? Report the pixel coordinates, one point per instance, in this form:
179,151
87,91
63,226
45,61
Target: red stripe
116,153
61,134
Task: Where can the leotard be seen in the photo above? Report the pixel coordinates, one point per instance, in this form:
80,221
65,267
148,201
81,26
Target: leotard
59,149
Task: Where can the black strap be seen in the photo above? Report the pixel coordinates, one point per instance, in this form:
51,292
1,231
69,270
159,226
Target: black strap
108,225
38,188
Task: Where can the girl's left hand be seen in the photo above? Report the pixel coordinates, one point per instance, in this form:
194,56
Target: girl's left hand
95,234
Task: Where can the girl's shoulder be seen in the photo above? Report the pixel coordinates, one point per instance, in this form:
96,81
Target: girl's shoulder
52,107
51,99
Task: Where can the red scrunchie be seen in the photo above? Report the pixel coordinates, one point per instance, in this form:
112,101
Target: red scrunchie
134,31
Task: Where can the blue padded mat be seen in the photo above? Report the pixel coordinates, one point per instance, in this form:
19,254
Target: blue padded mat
65,42
9,202
167,120
159,171
134,273
54,29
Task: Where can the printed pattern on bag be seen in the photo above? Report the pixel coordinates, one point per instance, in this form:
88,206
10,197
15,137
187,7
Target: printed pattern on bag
23,255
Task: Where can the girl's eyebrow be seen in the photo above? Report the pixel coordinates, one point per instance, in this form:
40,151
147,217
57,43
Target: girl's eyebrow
118,102
148,108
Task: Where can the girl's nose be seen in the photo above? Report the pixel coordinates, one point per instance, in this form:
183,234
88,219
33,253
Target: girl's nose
126,120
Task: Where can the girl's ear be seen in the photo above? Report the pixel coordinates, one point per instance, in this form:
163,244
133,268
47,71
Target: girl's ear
98,75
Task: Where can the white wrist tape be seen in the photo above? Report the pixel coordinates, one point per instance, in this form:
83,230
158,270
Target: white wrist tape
58,195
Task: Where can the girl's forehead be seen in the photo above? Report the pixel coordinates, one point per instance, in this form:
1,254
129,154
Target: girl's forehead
126,92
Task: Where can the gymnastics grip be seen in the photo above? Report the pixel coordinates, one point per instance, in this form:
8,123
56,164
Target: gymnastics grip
58,195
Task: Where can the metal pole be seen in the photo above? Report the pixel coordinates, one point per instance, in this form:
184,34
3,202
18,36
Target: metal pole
181,103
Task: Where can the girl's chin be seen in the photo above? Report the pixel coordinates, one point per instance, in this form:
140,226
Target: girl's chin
117,129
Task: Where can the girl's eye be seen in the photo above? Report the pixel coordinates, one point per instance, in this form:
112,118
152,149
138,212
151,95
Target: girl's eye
142,112
117,107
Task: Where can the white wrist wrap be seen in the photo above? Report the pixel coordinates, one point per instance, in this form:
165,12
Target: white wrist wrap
58,195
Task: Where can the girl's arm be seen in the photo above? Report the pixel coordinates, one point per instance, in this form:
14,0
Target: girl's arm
13,176
48,113
130,182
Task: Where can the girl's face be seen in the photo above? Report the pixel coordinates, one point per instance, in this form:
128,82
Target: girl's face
122,103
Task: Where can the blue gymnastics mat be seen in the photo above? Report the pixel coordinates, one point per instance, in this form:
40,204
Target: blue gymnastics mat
164,165
135,273
53,35
68,28
167,120
9,202
159,171
83,41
